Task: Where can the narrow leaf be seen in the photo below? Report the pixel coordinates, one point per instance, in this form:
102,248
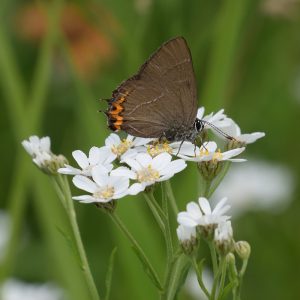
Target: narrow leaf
109,274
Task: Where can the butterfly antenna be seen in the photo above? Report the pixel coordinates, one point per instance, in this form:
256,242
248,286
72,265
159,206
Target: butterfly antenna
227,136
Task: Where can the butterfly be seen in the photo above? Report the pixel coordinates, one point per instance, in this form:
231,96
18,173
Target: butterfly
160,101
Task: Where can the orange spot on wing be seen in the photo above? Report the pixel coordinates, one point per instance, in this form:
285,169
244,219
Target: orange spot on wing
118,123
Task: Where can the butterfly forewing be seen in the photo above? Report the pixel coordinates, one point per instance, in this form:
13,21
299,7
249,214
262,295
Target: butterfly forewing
161,95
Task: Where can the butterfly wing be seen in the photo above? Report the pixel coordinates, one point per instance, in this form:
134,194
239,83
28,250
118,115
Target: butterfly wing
161,95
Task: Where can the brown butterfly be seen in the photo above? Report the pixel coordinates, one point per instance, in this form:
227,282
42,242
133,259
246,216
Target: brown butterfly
160,101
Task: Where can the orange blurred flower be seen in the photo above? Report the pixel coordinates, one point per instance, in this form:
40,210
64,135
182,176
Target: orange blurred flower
89,46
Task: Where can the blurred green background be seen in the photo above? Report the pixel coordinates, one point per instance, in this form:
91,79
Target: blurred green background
58,58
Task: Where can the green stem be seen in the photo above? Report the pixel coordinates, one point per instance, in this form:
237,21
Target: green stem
214,260
141,253
157,212
219,178
168,235
174,277
171,197
241,276
58,189
206,189
223,267
199,277
78,241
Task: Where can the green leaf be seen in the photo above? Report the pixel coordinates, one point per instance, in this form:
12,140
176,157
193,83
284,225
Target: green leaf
148,271
108,278
227,289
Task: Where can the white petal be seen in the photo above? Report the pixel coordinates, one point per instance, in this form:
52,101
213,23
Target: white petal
144,159
27,147
94,155
187,148
121,194
34,139
174,166
200,112
160,161
204,205
85,183
221,208
165,177
231,153
130,153
123,171
136,188
112,140
136,166
85,198
81,159
142,141
45,143
121,185
194,210
237,159
250,138
99,174
185,220
69,170
106,156
210,147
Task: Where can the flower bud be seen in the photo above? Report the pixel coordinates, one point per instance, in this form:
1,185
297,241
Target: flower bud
223,238
207,231
243,249
230,259
234,144
107,207
188,239
210,169
42,156
52,165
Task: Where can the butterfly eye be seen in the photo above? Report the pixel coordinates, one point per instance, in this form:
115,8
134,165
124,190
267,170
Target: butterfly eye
199,125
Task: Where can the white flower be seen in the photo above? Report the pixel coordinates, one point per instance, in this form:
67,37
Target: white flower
147,170
218,119
13,289
5,231
97,156
128,147
258,185
210,152
234,130
191,217
38,149
185,233
215,216
202,214
223,232
103,187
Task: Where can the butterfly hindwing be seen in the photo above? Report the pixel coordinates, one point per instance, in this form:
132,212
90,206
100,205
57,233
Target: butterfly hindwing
161,95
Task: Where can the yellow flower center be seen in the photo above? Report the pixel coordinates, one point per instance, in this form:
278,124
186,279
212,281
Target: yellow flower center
217,155
122,147
159,148
105,193
204,152
147,174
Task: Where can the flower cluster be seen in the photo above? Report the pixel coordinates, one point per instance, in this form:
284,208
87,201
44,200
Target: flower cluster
211,224
42,156
120,168
128,166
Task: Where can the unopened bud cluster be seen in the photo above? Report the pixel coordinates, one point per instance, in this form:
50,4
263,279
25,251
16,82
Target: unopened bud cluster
39,150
